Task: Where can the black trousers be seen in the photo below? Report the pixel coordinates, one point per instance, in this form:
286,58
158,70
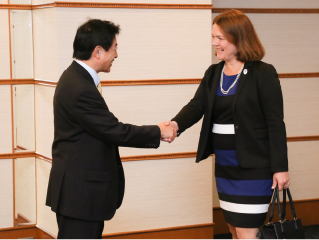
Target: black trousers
73,228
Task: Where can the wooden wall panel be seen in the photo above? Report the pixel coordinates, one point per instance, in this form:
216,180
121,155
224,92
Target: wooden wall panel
4,44
265,4
290,46
5,119
25,195
300,104
6,193
44,119
164,193
148,105
46,219
45,44
152,42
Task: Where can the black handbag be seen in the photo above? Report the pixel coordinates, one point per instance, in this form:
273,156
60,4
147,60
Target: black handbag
284,229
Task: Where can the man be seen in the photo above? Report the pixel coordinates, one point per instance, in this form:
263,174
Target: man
86,183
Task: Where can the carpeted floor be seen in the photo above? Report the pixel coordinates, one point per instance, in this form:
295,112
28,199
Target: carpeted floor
311,232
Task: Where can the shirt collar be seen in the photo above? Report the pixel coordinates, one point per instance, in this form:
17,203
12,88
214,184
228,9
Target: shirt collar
91,71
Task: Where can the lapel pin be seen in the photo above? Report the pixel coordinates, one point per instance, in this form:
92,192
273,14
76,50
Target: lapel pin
245,71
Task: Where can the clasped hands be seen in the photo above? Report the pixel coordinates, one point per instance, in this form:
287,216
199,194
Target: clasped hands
169,131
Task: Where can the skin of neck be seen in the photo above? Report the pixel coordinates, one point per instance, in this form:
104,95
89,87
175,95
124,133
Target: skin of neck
232,67
91,63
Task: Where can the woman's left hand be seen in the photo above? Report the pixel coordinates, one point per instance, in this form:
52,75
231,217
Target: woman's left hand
282,179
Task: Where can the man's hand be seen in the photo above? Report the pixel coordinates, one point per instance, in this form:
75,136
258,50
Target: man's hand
172,124
168,133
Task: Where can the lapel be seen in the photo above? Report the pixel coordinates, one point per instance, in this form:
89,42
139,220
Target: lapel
241,81
215,83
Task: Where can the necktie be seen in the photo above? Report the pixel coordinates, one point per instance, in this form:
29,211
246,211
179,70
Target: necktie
99,88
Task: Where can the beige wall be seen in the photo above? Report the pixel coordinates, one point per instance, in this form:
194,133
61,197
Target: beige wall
5,119
265,4
25,194
24,116
4,44
156,44
6,193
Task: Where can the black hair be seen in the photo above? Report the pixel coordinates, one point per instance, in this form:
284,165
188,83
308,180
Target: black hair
94,32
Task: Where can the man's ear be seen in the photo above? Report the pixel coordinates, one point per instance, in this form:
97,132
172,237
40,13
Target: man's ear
96,52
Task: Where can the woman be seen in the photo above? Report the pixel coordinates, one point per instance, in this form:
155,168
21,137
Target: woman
242,104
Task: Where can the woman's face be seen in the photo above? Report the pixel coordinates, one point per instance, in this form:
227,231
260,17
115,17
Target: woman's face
225,50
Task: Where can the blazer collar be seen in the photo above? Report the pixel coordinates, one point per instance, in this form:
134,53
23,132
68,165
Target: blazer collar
241,81
215,76
78,68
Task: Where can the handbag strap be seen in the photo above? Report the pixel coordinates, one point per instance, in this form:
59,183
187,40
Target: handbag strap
284,201
273,202
283,212
291,204
278,203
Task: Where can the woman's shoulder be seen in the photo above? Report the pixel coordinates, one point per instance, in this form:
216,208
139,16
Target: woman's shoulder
262,66
214,65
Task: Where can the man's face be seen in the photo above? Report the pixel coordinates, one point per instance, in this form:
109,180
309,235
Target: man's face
107,57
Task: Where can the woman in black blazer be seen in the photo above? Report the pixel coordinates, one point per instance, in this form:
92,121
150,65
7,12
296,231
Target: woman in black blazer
242,104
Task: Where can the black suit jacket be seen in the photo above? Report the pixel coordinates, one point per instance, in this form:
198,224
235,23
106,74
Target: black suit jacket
260,134
87,178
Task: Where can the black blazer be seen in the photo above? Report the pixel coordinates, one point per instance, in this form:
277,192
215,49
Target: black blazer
87,178
260,134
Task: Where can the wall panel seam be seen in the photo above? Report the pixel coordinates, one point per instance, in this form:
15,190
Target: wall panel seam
145,81
143,157
106,5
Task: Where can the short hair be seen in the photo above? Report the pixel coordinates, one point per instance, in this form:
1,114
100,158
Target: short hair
238,29
94,32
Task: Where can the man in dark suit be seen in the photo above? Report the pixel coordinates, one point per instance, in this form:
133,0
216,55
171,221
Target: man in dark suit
86,183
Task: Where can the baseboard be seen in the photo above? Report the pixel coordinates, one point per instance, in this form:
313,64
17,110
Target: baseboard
306,210
201,231
18,232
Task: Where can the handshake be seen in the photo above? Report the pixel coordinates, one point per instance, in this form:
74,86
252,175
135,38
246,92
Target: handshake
169,131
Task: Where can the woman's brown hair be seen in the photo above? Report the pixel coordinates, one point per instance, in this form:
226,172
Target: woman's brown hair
238,29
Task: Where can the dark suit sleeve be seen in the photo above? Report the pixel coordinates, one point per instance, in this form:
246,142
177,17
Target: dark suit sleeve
195,109
92,114
272,105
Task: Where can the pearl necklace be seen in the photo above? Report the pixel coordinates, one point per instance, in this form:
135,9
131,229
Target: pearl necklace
231,86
